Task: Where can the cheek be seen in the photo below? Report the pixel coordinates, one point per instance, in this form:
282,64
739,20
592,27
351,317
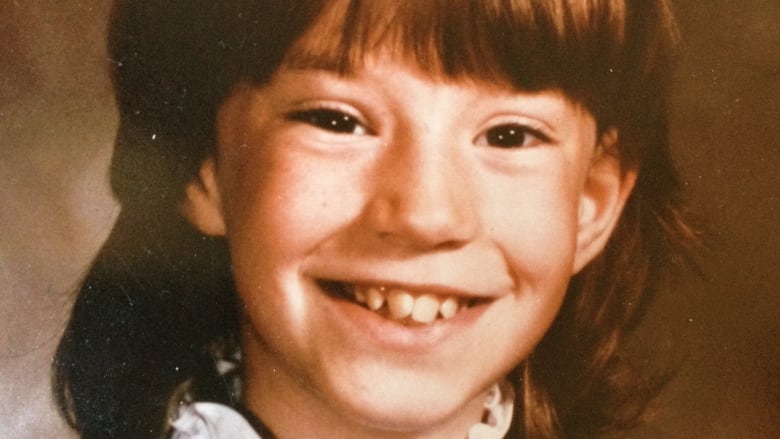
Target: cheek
274,212
282,204
534,221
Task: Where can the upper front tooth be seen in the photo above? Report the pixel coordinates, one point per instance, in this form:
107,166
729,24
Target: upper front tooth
400,304
375,298
426,308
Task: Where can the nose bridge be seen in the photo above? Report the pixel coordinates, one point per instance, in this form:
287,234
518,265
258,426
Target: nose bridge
423,195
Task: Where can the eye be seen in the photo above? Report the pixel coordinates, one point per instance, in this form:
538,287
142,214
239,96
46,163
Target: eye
512,135
327,119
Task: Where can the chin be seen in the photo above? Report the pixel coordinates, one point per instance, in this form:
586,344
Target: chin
409,404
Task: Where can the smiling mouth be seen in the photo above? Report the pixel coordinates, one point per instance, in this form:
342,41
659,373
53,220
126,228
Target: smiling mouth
399,304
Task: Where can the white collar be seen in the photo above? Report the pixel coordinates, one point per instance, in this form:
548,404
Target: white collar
208,420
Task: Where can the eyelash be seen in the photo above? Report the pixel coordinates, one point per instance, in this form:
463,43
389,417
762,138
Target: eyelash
504,136
331,120
512,136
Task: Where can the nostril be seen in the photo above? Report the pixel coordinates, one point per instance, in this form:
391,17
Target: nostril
425,222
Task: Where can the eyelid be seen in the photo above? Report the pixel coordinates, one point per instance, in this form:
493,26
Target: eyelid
348,110
538,129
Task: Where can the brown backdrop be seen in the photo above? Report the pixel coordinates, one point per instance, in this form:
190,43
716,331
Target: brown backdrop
723,331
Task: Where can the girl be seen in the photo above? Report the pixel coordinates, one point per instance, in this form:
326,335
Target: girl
377,219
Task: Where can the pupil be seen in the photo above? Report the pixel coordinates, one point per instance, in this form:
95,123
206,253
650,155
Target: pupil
334,121
506,136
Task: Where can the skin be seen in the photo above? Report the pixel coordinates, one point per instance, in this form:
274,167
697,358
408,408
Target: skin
414,188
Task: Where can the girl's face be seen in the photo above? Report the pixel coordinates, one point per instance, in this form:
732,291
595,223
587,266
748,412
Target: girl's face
400,243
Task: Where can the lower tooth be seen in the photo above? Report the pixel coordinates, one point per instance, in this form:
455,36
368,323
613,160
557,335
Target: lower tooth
426,308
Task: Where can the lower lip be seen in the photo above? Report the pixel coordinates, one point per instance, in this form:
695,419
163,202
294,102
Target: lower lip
386,334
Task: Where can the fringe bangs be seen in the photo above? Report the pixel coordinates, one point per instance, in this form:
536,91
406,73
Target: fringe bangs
528,44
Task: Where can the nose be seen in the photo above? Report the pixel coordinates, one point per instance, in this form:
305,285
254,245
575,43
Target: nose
422,197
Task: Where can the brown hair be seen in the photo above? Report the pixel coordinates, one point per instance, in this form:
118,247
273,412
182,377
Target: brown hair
176,61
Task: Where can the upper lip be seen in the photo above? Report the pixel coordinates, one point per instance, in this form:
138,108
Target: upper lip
422,284
414,288
475,274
